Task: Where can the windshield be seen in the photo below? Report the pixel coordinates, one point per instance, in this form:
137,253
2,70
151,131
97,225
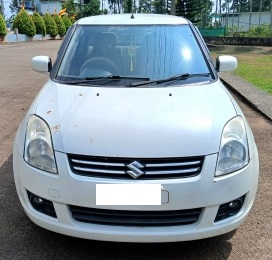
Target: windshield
152,52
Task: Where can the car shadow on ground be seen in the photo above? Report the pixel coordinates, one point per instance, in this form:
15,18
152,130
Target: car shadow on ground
22,239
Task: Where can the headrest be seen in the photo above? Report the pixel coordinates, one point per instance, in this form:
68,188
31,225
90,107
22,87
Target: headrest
105,38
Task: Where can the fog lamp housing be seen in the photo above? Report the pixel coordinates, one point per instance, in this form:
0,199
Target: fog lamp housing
229,209
42,205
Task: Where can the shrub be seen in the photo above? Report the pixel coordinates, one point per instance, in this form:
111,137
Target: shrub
60,25
3,27
67,22
39,23
50,24
264,30
24,24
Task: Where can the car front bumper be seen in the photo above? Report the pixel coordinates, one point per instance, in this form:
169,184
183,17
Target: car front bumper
203,191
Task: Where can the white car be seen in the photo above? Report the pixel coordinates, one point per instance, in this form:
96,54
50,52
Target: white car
134,138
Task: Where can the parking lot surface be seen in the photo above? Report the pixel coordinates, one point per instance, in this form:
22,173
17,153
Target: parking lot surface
21,239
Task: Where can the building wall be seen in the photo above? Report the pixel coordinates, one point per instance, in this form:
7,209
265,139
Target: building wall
244,20
48,6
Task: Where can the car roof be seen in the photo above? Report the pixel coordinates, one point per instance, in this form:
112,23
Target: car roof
126,19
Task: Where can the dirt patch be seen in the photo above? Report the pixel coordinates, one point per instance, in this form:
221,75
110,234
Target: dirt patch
228,49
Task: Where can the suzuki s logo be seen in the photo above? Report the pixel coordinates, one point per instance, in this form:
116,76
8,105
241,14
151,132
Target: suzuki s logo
135,168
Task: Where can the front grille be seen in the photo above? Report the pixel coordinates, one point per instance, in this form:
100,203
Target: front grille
159,168
135,218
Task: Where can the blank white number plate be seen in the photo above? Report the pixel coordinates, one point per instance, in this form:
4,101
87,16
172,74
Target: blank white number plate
128,194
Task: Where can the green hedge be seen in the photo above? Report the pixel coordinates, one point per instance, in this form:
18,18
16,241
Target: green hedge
60,25
50,24
3,27
24,24
67,22
39,23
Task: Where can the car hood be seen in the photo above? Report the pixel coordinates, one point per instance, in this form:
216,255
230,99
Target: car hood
136,122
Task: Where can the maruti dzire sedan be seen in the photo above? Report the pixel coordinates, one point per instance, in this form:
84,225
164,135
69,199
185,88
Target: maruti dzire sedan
134,138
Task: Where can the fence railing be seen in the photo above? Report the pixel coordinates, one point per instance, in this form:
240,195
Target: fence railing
214,32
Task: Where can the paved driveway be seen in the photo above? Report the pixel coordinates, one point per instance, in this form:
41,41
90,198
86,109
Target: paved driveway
21,239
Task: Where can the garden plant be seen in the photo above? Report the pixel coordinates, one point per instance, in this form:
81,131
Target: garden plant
60,24
67,22
39,23
50,24
24,24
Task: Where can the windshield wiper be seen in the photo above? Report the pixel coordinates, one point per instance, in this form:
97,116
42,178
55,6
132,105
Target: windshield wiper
177,77
110,77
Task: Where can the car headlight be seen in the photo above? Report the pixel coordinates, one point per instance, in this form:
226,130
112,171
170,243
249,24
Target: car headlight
233,152
38,145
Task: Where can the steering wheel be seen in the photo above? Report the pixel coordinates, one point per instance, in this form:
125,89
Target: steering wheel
100,63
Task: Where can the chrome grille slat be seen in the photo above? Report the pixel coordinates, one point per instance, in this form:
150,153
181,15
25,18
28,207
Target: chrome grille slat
99,163
172,164
123,168
99,171
172,172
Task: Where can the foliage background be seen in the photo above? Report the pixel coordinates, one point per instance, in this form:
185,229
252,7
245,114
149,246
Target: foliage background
3,27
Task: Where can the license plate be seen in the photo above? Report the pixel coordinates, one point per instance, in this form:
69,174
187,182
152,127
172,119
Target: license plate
128,194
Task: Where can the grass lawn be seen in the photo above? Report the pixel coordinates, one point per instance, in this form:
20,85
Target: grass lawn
254,63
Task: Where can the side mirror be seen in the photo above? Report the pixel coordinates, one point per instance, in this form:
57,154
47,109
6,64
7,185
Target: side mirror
42,64
226,63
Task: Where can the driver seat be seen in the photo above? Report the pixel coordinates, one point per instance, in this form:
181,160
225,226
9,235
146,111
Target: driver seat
104,45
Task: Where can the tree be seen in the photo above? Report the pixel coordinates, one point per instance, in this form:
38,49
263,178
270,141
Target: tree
168,7
60,25
3,27
50,24
24,24
39,23
116,6
158,6
193,9
145,6
206,19
92,8
128,6
70,7
67,22
244,5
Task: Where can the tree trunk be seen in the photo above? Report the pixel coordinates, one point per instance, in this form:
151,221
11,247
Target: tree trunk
2,8
220,12
232,22
227,16
250,14
271,13
239,11
173,7
260,16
